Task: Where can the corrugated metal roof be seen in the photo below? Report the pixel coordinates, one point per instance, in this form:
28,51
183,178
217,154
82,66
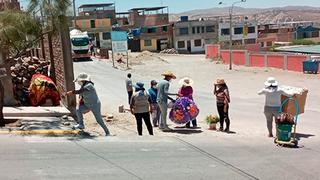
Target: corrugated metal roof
315,49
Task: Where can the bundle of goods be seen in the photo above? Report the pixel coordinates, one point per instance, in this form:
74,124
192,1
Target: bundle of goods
42,89
183,111
285,118
301,96
22,72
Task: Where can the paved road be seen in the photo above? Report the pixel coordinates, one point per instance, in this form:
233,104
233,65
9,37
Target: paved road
209,155
33,158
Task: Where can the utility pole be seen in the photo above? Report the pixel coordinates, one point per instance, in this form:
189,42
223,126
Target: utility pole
230,30
74,14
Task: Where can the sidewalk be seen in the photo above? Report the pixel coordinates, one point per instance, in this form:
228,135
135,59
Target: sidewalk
38,121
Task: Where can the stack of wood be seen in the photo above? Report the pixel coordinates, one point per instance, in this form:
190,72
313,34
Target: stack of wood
22,71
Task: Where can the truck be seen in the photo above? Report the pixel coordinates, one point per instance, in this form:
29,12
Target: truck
80,45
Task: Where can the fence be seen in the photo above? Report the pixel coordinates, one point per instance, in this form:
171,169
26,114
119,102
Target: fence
290,62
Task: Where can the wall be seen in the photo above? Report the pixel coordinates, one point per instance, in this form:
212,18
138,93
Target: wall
291,62
153,47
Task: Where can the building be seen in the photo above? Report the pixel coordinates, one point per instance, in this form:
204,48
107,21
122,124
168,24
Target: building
153,32
192,36
269,34
243,33
9,4
306,32
97,20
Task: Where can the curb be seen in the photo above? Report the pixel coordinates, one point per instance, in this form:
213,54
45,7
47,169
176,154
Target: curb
41,132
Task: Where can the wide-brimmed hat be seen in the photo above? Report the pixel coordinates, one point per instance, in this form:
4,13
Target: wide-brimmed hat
186,81
169,74
82,77
271,81
220,82
139,86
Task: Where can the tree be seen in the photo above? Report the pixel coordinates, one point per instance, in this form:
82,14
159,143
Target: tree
18,32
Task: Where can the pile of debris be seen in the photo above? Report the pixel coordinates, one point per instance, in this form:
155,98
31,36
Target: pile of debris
22,71
169,51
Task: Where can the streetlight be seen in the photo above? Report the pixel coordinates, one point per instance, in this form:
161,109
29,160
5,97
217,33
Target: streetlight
230,30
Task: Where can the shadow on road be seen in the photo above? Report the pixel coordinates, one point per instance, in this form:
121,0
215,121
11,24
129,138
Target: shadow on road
81,136
83,60
306,136
185,131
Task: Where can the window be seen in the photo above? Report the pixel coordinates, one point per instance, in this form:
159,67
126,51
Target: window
184,31
147,43
164,28
152,30
251,29
210,28
238,30
202,29
225,31
269,43
106,36
250,41
181,44
92,23
198,30
91,36
197,42
193,30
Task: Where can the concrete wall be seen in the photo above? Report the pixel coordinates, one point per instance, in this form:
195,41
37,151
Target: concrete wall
291,62
153,47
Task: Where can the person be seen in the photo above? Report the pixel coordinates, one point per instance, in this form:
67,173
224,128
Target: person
162,98
89,101
221,92
140,107
91,46
129,87
155,110
273,101
186,90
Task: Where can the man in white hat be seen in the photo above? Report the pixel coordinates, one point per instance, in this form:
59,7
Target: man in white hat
162,98
273,101
89,101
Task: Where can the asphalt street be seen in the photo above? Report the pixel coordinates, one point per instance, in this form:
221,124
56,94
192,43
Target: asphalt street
245,154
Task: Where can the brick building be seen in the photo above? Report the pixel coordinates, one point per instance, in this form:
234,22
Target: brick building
9,4
153,27
97,20
191,36
269,34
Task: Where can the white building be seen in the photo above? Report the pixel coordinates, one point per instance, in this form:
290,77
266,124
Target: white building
242,33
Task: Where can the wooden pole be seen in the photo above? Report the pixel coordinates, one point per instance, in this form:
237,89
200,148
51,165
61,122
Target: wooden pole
2,121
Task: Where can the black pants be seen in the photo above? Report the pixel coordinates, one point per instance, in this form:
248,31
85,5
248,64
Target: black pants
194,123
129,96
224,116
146,118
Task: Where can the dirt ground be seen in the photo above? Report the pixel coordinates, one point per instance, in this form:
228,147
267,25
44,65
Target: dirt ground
244,83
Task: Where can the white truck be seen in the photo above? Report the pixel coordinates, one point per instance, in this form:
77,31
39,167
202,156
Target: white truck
80,45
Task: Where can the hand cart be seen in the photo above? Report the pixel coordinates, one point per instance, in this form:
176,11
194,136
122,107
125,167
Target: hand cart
285,136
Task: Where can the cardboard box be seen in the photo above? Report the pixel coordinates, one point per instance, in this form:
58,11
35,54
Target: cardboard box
290,107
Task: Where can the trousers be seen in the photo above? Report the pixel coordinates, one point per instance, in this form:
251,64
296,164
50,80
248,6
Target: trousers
164,112
146,118
224,116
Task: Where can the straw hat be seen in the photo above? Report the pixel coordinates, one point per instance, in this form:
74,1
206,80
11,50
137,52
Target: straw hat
169,74
220,82
82,77
271,81
186,81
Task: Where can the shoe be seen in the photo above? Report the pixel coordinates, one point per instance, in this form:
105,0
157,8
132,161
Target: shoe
227,130
165,129
221,129
270,135
78,126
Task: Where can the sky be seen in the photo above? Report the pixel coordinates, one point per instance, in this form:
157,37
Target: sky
176,6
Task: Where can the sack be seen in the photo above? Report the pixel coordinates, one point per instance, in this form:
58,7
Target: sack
285,118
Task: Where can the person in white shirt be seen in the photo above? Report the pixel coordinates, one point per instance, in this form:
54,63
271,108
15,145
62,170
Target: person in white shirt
273,101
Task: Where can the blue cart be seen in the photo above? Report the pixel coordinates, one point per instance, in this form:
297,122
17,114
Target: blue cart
311,66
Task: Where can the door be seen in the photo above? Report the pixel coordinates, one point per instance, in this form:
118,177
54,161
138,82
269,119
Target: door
97,40
189,46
